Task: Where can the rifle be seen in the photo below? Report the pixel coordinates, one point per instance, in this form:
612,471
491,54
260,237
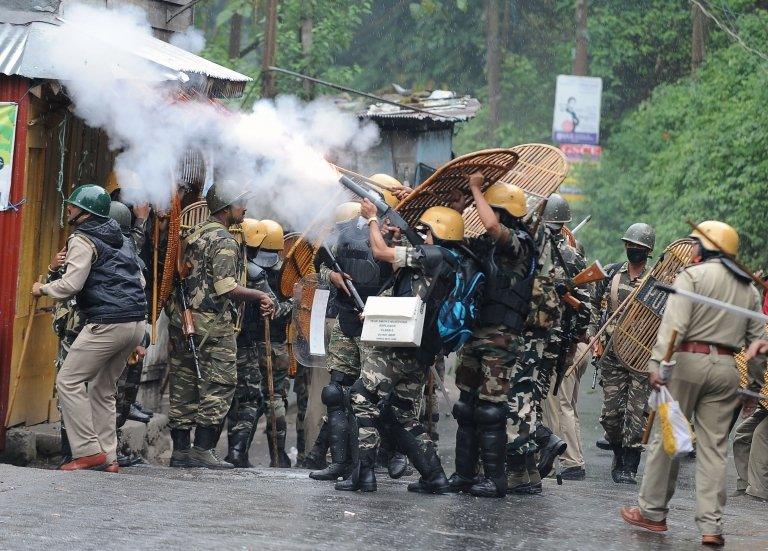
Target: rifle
187,323
581,224
384,210
347,283
589,275
271,391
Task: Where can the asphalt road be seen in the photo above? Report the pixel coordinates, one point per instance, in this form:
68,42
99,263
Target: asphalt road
155,507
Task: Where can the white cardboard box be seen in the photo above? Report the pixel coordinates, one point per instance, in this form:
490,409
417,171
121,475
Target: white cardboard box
393,321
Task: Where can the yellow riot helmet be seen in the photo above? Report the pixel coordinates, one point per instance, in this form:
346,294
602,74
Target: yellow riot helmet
249,227
386,181
126,179
445,223
346,211
721,233
508,197
270,235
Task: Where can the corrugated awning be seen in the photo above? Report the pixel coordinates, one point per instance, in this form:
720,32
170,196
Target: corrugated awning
23,52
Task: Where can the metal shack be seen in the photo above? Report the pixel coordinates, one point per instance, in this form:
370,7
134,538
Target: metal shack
53,151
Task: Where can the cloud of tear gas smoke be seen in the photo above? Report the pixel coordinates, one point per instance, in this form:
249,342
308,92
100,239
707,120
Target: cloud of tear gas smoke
276,150
191,40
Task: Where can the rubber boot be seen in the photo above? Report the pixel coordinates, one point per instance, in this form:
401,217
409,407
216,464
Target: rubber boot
517,476
467,445
617,466
628,474
315,459
238,449
181,446
534,474
550,447
203,454
283,461
338,441
491,422
65,449
397,465
363,475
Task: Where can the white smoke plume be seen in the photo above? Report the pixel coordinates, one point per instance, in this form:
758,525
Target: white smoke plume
191,40
276,151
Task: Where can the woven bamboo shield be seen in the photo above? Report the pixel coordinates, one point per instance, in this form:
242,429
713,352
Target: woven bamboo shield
298,263
635,333
453,177
741,365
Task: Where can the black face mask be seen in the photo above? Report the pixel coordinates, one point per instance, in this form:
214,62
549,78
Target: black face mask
637,256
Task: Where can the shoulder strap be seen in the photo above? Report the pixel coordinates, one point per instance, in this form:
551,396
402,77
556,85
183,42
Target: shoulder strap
615,282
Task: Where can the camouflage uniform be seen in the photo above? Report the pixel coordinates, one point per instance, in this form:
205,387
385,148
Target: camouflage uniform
301,388
216,268
625,391
247,405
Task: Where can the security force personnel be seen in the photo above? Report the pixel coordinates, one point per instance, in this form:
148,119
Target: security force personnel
392,380
625,391
750,454
704,381
215,269
102,271
345,351
488,358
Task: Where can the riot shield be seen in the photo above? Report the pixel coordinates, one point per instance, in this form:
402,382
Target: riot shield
309,339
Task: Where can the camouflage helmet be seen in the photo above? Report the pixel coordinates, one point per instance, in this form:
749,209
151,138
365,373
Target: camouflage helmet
120,214
640,234
221,197
557,210
91,198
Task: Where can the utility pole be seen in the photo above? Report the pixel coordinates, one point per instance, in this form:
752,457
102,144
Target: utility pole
270,44
306,52
235,35
580,57
697,38
492,65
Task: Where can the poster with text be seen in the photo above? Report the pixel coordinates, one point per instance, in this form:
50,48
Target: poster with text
577,110
7,134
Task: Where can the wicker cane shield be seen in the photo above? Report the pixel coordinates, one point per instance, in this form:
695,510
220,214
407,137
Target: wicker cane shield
741,365
636,331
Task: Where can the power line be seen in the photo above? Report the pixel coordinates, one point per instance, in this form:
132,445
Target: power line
729,31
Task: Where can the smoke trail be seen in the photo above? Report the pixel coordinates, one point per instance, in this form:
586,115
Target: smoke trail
276,150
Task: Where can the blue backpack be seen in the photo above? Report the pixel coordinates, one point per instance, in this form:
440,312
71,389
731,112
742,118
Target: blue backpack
458,313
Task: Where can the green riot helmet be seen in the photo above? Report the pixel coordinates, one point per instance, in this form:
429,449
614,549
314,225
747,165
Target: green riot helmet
557,211
120,214
640,234
91,198
220,197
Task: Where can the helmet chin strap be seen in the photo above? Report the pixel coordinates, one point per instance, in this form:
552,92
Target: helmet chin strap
76,220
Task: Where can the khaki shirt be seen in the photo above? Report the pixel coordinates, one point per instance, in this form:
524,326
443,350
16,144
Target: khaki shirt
80,256
701,323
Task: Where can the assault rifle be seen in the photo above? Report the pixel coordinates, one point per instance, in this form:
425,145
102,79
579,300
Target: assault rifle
187,323
384,210
591,274
347,283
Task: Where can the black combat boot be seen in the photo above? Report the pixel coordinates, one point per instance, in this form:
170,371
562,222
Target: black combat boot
203,454
283,461
534,474
135,414
628,475
238,449
603,444
517,475
550,447
315,459
491,420
432,479
144,410
338,441
363,475
397,465
467,450
181,446
617,466
65,449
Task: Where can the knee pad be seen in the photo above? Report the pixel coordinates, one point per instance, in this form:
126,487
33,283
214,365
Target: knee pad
342,379
358,387
489,413
332,396
464,408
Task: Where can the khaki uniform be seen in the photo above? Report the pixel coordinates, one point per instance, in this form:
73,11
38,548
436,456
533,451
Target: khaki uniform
704,385
750,453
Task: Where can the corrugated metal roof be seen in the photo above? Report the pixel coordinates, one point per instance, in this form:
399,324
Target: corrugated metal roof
452,109
23,51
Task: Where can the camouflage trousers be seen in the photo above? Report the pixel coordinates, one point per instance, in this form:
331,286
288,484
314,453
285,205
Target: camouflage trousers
247,404
430,405
543,370
204,401
280,365
301,389
521,408
345,354
625,401
486,363
393,385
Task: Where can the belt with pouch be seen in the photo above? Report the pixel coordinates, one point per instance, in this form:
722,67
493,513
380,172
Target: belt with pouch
696,347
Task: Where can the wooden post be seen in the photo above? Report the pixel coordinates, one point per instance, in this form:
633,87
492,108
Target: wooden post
492,66
697,38
581,57
270,44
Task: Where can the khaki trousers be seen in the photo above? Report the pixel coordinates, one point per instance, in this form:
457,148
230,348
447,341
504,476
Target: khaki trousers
97,357
750,453
561,416
705,386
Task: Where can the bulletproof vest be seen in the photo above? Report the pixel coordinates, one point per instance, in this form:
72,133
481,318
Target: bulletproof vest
113,292
507,297
253,322
355,257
